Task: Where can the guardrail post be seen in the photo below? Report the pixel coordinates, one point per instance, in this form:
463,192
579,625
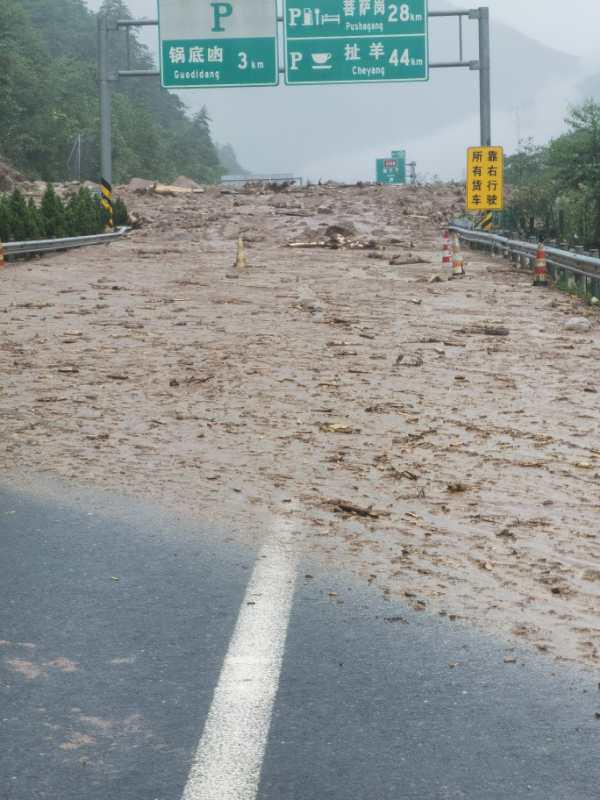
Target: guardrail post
577,278
594,282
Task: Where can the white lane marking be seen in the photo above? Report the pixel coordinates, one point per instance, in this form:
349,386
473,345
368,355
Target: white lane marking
229,757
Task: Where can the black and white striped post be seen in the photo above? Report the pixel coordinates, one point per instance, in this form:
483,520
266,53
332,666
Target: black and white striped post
106,200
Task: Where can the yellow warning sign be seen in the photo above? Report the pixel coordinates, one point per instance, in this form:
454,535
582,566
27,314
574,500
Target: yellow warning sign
485,179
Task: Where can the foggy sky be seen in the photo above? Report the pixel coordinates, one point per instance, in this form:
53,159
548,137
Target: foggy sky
571,26
568,25
305,130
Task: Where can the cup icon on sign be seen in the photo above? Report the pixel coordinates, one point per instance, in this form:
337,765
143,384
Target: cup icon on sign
320,60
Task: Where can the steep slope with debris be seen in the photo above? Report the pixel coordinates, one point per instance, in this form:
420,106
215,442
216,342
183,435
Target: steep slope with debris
438,438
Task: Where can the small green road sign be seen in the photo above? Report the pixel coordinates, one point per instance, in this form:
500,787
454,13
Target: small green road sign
342,41
204,43
390,170
400,156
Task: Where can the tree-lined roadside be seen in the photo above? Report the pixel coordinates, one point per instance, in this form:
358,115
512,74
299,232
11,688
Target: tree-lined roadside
81,214
49,96
555,188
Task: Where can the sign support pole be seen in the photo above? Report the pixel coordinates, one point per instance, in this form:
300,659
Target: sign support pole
105,101
485,94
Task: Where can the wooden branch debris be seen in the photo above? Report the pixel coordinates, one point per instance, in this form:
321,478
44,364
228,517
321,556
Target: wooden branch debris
339,237
352,508
486,329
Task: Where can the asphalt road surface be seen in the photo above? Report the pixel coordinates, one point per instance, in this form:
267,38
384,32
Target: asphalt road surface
145,658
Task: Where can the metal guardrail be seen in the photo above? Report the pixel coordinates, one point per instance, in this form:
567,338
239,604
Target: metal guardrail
570,270
50,245
242,180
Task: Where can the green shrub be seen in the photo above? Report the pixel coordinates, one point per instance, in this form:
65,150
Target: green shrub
5,219
53,214
121,214
19,217
554,189
83,215
34,222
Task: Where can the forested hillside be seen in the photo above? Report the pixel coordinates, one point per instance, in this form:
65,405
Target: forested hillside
555,188
49,95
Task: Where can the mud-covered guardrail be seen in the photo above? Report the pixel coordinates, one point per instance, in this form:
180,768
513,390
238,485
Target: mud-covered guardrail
570,269
16,249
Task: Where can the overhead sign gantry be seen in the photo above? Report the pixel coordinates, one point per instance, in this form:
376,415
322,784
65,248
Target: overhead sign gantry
224,43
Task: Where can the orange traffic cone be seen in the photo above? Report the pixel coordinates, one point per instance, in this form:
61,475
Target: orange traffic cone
446,256
540,274
458,262
2,261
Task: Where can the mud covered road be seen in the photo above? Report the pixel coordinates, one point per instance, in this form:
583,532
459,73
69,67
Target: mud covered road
453,468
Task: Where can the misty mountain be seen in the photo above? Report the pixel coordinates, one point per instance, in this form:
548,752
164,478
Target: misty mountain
228,160
589,88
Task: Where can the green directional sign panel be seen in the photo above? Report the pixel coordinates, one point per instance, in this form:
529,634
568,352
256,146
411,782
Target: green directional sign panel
345,41
218,43
400,156
390,170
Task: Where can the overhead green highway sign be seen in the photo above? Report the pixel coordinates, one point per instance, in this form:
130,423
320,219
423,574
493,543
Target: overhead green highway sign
218,43
345,41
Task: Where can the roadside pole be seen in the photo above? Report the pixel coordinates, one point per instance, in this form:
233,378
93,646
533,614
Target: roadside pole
485,94
105,101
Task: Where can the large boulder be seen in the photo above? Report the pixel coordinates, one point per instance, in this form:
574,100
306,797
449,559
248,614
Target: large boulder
139,185
187,183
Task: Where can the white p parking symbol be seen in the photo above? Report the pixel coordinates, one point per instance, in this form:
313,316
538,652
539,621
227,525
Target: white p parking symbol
295,59
295,14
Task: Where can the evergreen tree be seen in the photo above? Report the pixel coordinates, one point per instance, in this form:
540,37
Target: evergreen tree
19,216
53,214
5,220
555,188
83,215
34,221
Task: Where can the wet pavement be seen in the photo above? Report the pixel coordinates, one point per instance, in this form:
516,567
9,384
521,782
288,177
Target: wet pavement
115,618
